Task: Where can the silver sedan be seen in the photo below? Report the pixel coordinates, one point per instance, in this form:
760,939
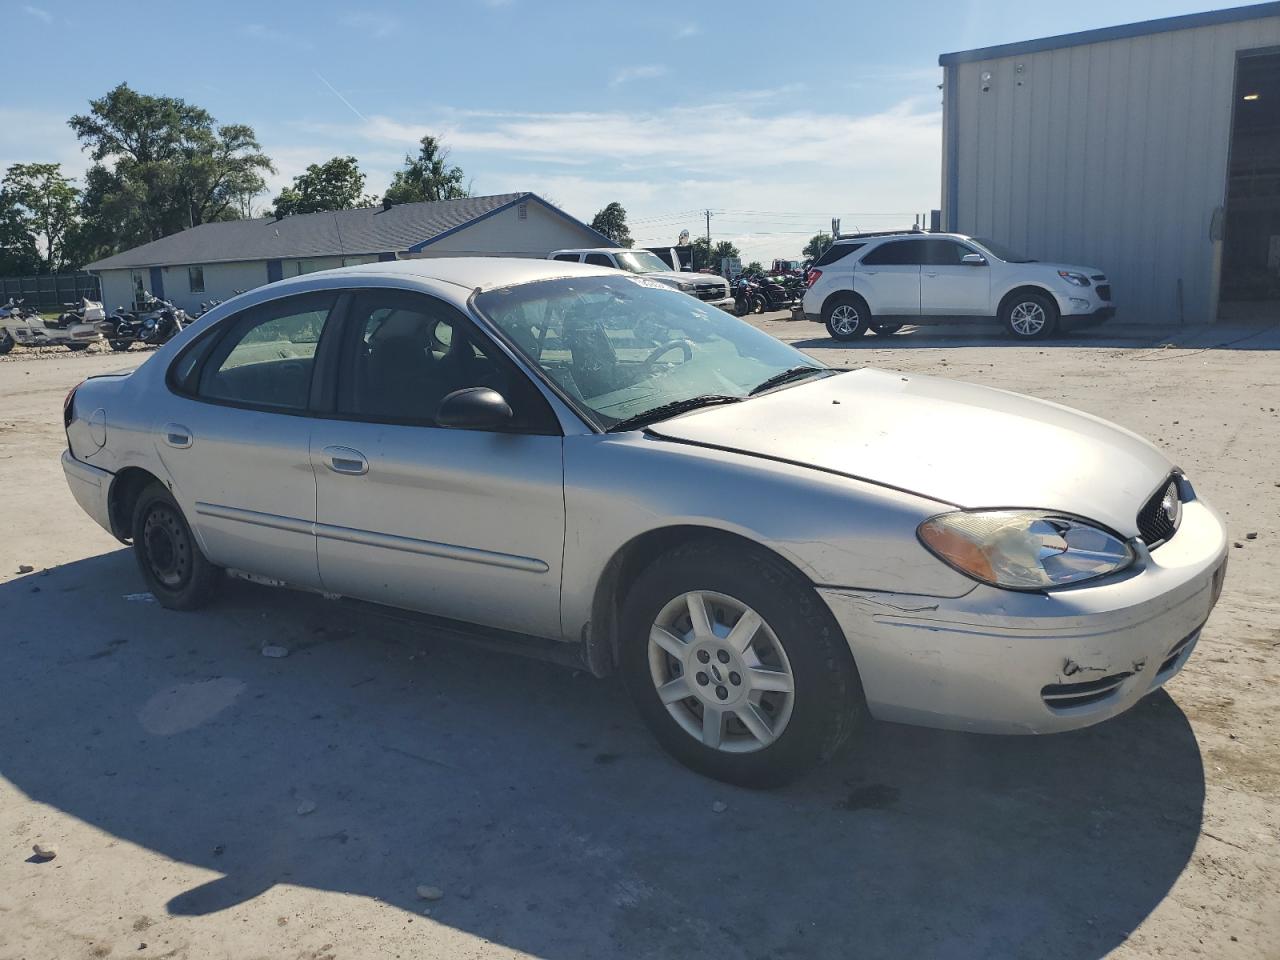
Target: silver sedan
592,465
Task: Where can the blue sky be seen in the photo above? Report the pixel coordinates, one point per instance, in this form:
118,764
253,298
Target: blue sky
775,123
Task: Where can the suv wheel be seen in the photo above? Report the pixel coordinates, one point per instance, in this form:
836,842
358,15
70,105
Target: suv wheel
736,666
846,317
1030,316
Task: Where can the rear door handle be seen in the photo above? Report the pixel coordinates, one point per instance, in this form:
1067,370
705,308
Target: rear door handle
176,435
930,274
346,460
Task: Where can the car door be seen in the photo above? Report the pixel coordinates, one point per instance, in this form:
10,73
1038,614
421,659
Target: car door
459,523
888,278
950,287
235,437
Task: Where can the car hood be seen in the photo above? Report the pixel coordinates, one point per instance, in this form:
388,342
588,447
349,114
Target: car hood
672,276
957,443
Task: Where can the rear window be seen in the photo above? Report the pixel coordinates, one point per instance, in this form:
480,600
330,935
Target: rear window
837,251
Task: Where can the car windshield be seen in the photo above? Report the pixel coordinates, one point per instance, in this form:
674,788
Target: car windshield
1001,252
622,347
640,261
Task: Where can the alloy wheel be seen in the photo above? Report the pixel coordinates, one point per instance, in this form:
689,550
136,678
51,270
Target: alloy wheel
845,319
1027,318
721,672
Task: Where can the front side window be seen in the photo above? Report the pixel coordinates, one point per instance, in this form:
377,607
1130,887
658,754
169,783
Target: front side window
598,260
641,261
623,346
195,279
405,352
267,356
895,253
944,253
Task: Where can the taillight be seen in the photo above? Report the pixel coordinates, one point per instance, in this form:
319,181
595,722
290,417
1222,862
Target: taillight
812,278
68,402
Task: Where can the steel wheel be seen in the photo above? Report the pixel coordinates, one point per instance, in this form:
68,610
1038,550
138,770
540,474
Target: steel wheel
168,546
721,672
1028,318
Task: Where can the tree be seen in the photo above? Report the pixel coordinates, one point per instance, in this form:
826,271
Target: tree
427,176
161,165
754,267
817,245
336,184
45,203
612,222
709,255
18,252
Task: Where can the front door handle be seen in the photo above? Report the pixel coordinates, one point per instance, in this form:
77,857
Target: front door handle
346,460
176,435
930,274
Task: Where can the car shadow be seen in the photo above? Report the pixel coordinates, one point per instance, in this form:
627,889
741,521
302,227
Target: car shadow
535,800
1219,336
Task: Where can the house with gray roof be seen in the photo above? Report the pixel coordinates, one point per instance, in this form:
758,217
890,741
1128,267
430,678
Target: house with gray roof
219,260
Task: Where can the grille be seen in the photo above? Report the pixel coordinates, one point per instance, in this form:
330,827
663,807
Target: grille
1159,516
711,292
1061,696
1104,291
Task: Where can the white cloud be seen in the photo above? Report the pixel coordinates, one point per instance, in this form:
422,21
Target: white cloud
688,30
46,138
38,12
646,71
260,31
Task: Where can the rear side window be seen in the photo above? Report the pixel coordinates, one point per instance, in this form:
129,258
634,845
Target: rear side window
895,253
566,257
267,356
598,260
837,252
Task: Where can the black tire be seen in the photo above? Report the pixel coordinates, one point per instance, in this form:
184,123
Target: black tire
758,304
885,329
827,704
1018,313
846,316
77,347
120,346
6,342
177,573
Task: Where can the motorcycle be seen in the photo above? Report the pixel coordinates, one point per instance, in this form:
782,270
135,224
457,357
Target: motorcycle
158,322
761,293
76,327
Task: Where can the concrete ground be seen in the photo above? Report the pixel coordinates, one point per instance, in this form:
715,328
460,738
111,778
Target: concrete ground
207,802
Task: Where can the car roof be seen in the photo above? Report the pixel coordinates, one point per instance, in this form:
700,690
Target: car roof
589,250
483,273
904,235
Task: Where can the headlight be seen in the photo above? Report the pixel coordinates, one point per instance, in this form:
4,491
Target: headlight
1076,279
687,287
1024,549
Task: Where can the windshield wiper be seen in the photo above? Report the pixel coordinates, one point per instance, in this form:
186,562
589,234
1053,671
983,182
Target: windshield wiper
786,376
664,410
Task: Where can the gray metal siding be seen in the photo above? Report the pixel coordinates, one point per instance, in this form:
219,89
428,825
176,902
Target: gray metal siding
1109,154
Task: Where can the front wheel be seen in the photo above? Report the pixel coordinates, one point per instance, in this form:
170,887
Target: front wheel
177,573
120,346
1030,316
736,666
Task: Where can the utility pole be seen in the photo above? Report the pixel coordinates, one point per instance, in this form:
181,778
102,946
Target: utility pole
709,264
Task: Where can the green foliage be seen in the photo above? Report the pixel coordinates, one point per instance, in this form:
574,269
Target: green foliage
160,165
336,184
754,267
45,203
427,176
709,255
612,222
817,244
18,252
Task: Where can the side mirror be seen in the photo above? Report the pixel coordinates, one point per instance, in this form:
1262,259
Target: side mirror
973,259
474,408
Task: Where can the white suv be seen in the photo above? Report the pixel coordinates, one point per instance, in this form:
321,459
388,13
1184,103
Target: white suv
707,287
880,282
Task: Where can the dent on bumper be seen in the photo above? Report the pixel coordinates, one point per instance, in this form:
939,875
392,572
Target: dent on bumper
91,486
997,661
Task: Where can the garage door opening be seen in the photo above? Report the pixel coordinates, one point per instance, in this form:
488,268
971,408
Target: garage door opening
1251,242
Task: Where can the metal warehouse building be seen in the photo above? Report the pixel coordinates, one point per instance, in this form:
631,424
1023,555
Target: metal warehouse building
1150,150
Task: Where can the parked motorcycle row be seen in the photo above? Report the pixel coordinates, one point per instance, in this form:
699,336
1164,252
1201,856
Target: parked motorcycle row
763,292
86,323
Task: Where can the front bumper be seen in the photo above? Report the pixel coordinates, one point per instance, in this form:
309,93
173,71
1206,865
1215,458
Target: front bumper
725,303
91,486
999,661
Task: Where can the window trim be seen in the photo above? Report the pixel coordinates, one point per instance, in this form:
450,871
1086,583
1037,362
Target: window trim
189,388
546,423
